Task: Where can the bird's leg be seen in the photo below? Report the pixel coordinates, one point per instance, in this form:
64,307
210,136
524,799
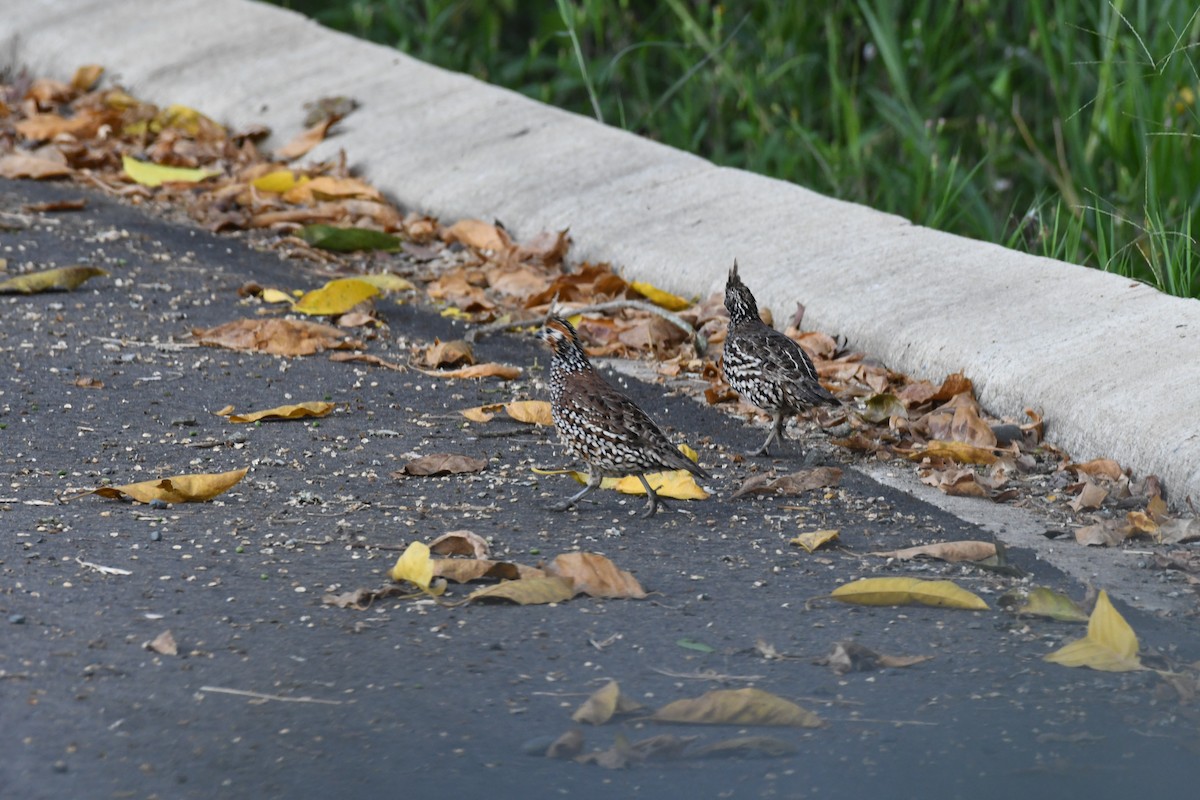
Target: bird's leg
652,504
777,422
594,479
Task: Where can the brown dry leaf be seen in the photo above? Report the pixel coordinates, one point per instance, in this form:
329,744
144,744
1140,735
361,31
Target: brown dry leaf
944,551
534,412
42,127
447,354
328,187
76,204
86,77
850,656
1110,644
737,707
529,591
194,488
547,248
1179,531
460,543
27,165
295,411
362,599
488,370
51,280
306,140
961,452
281,337
367,358
569,745
442,464
605,703
163,644
804,480
478,234
907,591
956,482
88,382
814,539
465,570
595,575
1107,533
745,747
1090,497
966,426
482,413
1098,467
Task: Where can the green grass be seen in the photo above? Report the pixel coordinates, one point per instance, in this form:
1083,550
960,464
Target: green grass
1066,128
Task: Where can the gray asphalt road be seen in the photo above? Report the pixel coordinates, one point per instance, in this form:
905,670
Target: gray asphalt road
412,698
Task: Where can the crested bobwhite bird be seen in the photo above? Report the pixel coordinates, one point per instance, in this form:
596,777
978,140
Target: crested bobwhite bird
600,425
766,367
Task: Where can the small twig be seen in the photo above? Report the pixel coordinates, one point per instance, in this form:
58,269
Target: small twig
103,570
264,697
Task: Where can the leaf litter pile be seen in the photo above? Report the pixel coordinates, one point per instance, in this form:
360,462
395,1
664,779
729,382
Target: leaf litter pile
333,221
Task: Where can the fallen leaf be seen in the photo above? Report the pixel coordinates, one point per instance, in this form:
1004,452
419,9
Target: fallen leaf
86,77
814,539
489,370
850,656
961,452
443,464
76,204
1090,497
415,566
27,165
944,551
569,745
331,188
1041,601
386,282
692,644
296,411
448,354
195,488
906,591
348,240
745,747
532,591
460,543
737,707
149,174
676,485
604,704
478,234
306,140
1103,467
796,483
1106,533
535,412
60,279
882,407
281,337
595,575
1179,531
464,570
163,644
1110,644
367,358
659,297
362,599
276,182
335,297
482,413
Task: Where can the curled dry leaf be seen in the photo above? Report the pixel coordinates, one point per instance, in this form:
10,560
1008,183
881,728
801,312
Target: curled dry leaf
306,140
1098,467
961,452
442,464
907,591
737,707
745,747
569,745
194,488
796,483
27,165
1107,533
1090,497
812,540
531,591
489,370
295,411
605,703
367,358
447,354
659,297
464,570
460,543
1041,601
478,234
362,599
944,551
535,412
595,575
1110,644
281,337
850,656
163,644
62,279
415,566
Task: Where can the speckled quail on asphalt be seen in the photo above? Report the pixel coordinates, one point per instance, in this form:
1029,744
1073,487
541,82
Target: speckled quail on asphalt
600,425
766,367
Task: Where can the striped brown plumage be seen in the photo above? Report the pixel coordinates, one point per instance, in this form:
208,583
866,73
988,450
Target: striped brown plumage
600,425
765,367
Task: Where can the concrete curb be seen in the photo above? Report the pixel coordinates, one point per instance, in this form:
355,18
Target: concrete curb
1111,364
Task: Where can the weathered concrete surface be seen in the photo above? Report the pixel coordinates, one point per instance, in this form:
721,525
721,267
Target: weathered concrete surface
1110,363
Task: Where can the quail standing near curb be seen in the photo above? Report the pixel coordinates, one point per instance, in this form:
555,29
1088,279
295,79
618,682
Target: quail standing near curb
765,367
600,425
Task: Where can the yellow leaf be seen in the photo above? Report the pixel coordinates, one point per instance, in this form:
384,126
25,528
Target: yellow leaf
605,702
453,312
536,412
61,279
178,489
86,77
296,411
415,566
906,591
482,413
489,370
275,296
1041,601
530,591
336,297
737,707
276,182
677,484
657,296
944,551
961,452
813,539
1110,644
595,575
150,174
387,282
